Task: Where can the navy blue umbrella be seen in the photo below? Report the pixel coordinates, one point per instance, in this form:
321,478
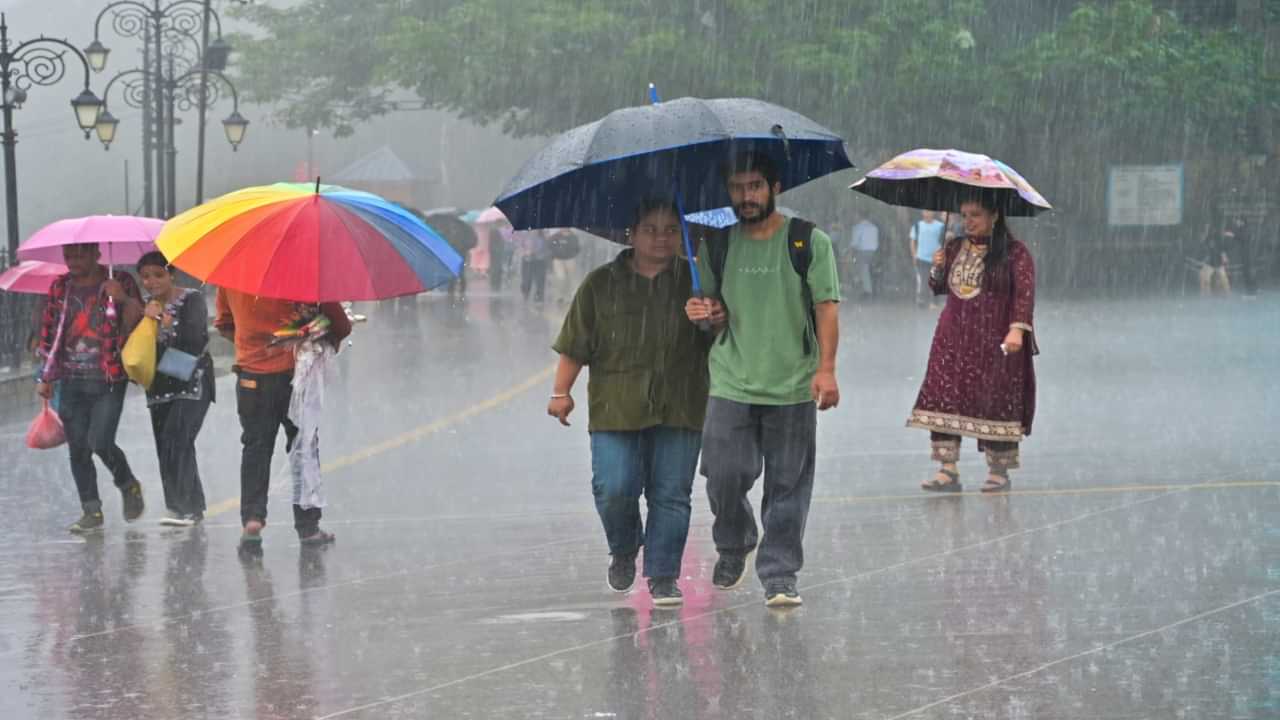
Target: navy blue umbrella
594,175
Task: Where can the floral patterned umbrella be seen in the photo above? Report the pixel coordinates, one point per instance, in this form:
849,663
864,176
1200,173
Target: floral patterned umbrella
942,179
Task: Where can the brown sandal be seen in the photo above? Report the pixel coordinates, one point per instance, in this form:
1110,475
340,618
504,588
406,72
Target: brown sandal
937,484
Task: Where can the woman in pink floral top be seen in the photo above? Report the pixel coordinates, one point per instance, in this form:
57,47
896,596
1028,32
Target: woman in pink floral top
980,381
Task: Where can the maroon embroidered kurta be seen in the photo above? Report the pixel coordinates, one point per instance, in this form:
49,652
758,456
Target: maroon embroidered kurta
971,388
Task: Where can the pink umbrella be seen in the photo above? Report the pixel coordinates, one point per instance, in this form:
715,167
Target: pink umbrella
491,215
32,277
123,239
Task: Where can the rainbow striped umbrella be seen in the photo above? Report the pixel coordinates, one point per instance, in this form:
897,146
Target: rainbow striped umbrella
309,243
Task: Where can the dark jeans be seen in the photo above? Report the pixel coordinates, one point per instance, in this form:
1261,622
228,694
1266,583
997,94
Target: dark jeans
262,402
175,425
738,442
658,462
90,417
533,276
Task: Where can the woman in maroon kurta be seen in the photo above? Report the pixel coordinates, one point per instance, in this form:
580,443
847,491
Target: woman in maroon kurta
980,382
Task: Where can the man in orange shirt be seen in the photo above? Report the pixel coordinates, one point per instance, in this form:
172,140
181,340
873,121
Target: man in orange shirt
264,372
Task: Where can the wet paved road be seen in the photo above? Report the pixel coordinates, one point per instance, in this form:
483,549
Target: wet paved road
1134,574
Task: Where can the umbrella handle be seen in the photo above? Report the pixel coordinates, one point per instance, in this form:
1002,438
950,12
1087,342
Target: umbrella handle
111,275
703,325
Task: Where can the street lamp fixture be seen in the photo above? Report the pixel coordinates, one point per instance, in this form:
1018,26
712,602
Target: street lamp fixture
234,126
106,128
16,96
87,106
96,54
217,54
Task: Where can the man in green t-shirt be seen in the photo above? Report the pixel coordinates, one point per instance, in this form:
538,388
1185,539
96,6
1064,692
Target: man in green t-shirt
772,367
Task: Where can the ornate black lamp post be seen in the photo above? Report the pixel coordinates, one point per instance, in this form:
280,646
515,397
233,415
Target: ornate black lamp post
42,61
159,24
179,91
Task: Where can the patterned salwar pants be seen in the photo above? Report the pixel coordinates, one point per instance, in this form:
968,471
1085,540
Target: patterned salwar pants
1001,456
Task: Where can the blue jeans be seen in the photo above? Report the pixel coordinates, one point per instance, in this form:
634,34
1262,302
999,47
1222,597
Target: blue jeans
658,462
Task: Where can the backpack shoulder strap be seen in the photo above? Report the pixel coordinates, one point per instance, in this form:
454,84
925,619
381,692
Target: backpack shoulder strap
800,249
800,246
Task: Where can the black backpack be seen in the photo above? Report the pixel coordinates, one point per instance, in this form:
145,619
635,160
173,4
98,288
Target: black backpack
800,250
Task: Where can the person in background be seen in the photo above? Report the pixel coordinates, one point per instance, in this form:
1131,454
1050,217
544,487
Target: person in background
1214,261
87,319
531,246
499,255
564,247
865,244
926,237
1238,238
178,406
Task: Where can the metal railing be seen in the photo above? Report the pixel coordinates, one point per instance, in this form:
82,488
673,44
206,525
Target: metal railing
15,326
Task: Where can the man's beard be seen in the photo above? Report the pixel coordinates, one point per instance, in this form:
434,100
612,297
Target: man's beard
762,214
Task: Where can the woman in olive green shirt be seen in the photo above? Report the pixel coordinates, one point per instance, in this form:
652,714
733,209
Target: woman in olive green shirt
646,396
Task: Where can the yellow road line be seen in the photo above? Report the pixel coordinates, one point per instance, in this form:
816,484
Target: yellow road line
413,435
225,506
434,427
852,499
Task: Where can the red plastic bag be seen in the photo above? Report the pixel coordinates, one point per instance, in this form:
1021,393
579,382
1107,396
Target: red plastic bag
46,430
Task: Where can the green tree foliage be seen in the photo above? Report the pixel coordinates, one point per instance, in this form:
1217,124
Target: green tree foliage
888,73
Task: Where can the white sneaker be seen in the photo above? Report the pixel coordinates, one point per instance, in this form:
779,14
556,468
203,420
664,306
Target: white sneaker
175,520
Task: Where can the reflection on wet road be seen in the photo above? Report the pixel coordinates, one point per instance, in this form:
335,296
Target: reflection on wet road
1135,572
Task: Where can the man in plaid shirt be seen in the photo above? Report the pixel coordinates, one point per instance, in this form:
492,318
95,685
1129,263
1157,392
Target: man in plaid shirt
86,322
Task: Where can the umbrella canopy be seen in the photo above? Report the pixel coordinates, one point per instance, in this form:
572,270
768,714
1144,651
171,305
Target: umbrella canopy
122,239
460,235
942,179
31,276
309,243
592,175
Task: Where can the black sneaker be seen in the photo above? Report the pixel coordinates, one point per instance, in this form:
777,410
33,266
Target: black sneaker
730,569
622,572
781,594
133,503
89,522
665,592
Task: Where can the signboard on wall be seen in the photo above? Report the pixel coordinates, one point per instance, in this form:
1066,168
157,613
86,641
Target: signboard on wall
1144,195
